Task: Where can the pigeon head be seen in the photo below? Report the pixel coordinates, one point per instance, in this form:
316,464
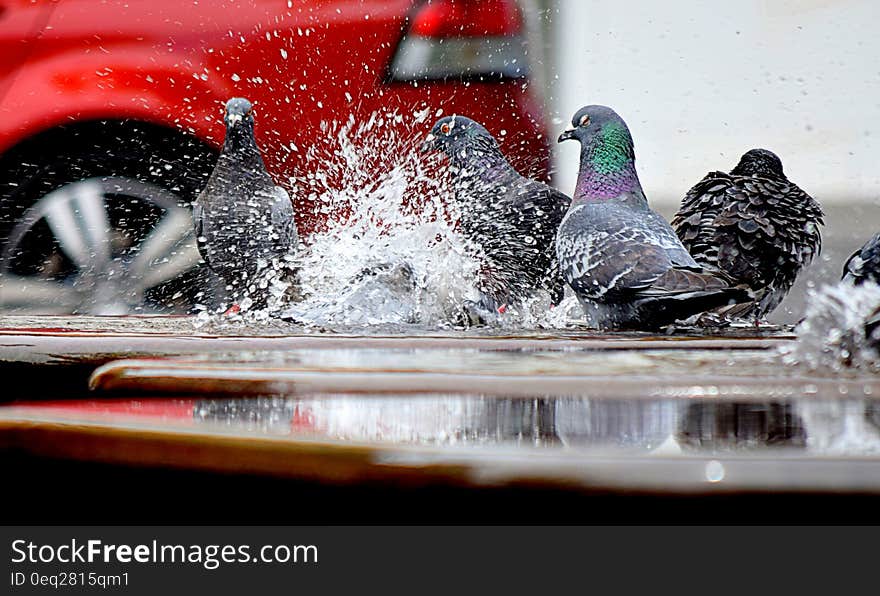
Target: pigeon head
238,109
759,162
595,126
458,137
607,168
239,141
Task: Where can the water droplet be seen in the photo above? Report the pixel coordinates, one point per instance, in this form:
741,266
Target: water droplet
714,471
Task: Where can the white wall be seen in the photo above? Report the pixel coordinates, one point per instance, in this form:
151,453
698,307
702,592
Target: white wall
699,83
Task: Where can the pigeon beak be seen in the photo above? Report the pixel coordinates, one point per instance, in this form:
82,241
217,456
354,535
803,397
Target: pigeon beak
233,119
567,135
428,145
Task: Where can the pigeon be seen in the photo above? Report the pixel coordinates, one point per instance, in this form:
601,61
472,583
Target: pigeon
622,259
839,329
755,226
864,264
244,224
509,220
862,268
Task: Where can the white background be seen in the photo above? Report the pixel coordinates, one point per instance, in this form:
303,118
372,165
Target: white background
699,83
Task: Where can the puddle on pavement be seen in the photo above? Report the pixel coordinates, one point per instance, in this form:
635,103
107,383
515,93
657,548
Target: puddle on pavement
567,392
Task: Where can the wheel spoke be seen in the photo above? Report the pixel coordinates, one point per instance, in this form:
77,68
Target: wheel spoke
167,252
185,257
30,293
77,217
172,230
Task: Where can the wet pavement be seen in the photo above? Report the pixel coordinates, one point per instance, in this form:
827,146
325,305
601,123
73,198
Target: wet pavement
696,412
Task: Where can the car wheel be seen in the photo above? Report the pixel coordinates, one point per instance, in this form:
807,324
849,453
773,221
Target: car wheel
105,227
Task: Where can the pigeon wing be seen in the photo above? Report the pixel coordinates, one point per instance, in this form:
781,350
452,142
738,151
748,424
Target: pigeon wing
544,207
694,223
283,221
601,255
852,269
864,264
767,231
606,253
511,222
677,281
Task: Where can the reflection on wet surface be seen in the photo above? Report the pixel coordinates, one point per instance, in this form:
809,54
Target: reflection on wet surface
721,426
631,412
661,426
734,362
671,427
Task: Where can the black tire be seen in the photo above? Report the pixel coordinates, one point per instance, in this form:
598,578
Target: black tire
173,164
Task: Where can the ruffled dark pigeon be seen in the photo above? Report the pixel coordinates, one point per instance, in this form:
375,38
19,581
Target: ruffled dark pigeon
244,223
622,259
755,226
510,220
864,264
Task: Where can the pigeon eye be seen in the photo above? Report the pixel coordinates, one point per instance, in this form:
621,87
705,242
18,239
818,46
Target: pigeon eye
585,119
445,128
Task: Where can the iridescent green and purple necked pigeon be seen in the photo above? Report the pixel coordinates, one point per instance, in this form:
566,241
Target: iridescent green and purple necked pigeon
623,260
509,220
753,225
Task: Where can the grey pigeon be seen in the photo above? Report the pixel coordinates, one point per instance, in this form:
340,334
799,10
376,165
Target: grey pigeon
864,264
622,259
244,224
511,220
754,225
863,267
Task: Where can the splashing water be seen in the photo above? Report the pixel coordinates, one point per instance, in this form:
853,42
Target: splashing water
389,253
835,333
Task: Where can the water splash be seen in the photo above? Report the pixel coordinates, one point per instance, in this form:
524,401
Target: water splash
835,333
388,251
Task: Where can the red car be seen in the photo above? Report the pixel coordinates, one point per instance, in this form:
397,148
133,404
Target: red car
110,121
